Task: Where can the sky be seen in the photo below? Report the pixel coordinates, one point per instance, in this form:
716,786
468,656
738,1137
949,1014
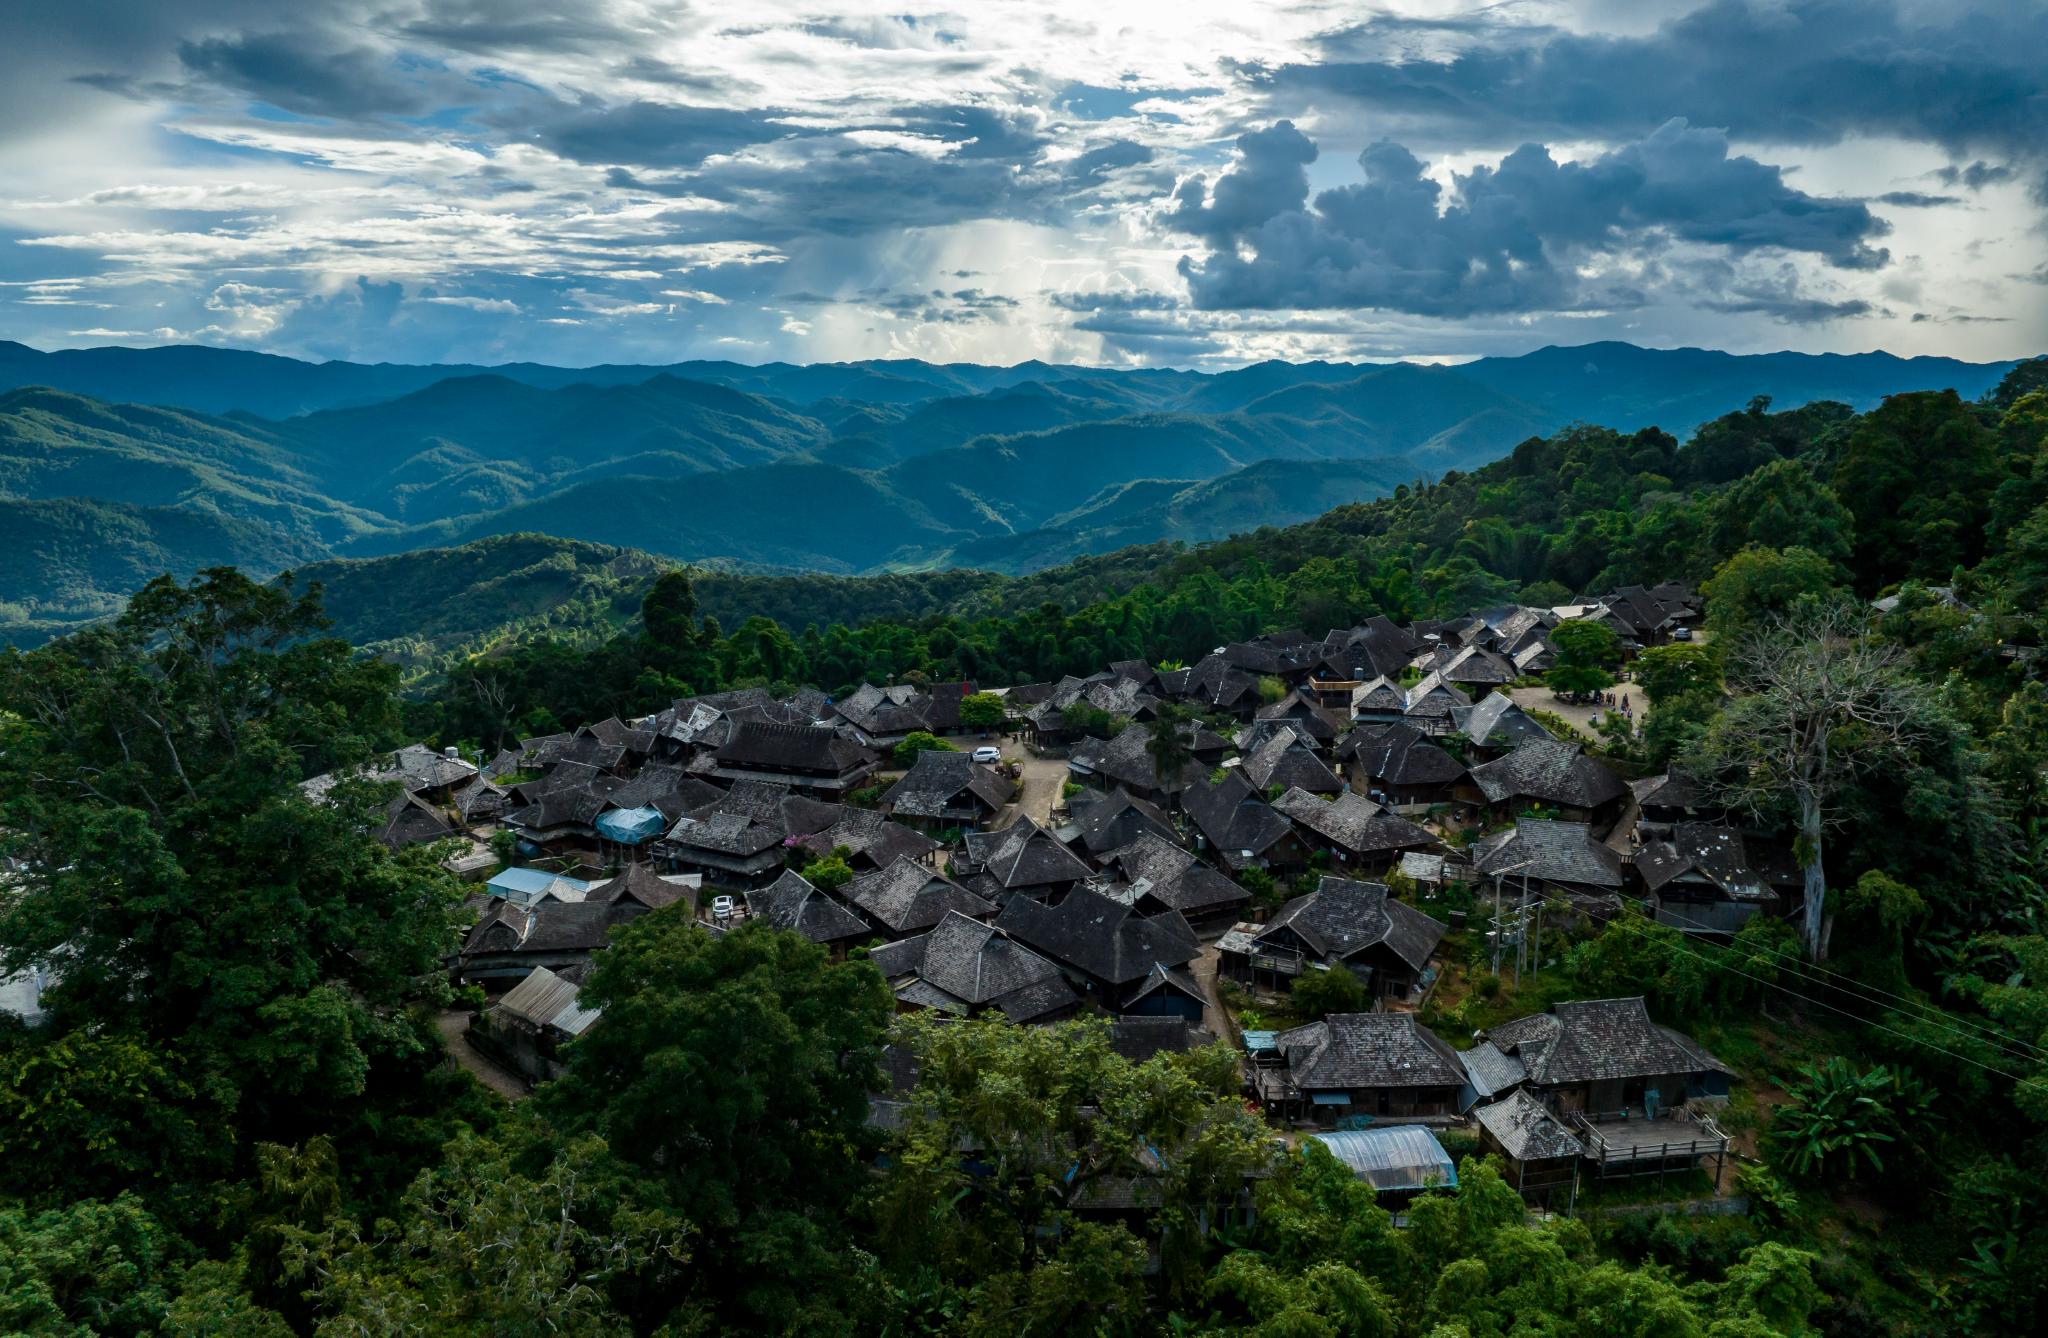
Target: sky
1115,182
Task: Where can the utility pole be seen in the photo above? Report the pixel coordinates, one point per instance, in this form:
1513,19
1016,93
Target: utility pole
1496,924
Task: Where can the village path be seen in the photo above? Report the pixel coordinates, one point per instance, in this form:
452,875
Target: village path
454,1028
1580,715
1039,785
1215,1019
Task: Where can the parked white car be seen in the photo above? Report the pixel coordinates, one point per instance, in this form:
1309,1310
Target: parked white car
988,752
721,908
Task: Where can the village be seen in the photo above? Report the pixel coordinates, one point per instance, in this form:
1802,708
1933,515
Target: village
1288,848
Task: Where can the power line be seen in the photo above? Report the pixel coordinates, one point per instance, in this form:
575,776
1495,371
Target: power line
1821,1003
1800,968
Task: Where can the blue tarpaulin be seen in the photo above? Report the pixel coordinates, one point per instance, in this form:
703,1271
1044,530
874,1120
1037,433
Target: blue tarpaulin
631,826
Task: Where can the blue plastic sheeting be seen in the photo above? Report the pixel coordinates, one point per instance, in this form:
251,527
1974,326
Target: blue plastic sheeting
631,826
1331,1098
1395,1156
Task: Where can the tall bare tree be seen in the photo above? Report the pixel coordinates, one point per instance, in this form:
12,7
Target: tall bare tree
1819,706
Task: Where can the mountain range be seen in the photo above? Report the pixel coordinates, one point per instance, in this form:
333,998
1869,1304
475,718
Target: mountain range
117,463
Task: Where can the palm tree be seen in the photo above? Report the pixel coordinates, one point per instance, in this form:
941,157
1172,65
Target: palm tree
1168,748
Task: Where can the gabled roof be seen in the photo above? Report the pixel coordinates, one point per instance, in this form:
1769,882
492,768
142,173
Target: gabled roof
1352,822
1526,1131
544,999
1400,755
1286,760
640,885
1155,867
1344,916
1127,758
1549,770
1490,1071
1496,721
973,963
1350,1050
1099,936
1596,1040
1477,665
1432,698
908,898
1714,854
1024,855
1138,1038
408,821
937,779
549,926
1673,789
864,832
1233,817
1548,851
795,748
1114,819
790,902
1380,695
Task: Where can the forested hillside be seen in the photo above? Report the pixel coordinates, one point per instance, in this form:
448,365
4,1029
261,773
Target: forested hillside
849,468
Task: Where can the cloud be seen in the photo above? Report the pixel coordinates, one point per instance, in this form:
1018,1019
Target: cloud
1913,199
299,72
1967,77
655,134
1512,237
1975,176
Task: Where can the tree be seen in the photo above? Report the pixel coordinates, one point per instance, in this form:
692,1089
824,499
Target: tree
1168,742
920,741
1321,993
1781,505
830,873
258,948
1758,584
1917,472
1667,673
983,711
731,1075
1584,652
1820,705
89,1267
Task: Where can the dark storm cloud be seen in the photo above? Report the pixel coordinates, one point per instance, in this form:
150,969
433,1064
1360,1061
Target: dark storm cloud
1510,238
1976,176
306,73
655,134
1913,199
1792,310
1791,71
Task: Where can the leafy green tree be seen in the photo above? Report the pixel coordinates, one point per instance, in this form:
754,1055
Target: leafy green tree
90,1267
1585,653
1781,505
731,1074
1636,955
1759,584
982,711
1321,993
920,741
1677,670
830,873
1917,473
1168,742
262,950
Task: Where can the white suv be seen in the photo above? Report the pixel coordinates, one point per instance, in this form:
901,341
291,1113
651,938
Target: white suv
988,752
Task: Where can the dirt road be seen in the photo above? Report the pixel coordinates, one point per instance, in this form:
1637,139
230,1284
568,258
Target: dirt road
1038,788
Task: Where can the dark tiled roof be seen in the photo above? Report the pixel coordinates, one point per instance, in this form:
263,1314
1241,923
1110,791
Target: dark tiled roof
1113,820
1673,789
1348,1050
408,822
1495,721
1549,770
867,834
1343,916
1353,822
1526,1131
1716,854
908,898
1024,855
790,902
1400,755
1233,817
1152,866
1127,758
1556,852
967,960
1597,1040
1490,1070
550,926
1099,936
1285,760
640,885
793,748
936,780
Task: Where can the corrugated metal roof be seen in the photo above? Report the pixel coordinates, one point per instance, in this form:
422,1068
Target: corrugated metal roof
1400,1156
544,999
